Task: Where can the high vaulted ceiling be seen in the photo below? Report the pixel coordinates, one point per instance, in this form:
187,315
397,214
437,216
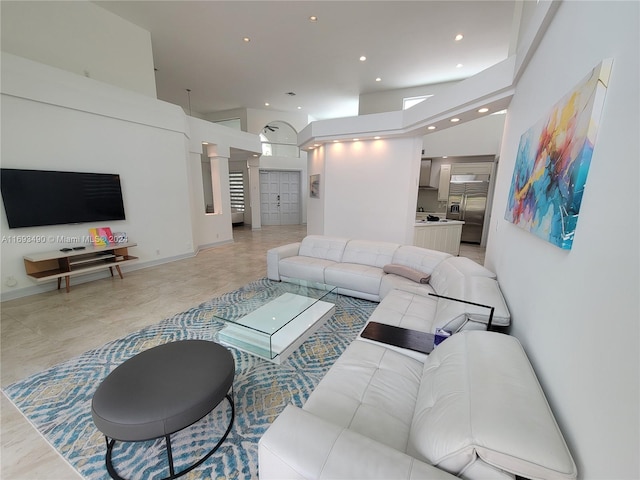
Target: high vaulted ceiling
200,46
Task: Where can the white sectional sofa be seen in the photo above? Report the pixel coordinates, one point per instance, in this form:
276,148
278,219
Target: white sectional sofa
473,409
357,268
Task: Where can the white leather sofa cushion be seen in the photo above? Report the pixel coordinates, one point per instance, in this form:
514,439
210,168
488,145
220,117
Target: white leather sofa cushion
447,276
452,315
391,282
355,277
365,252
480,401
304,268
299,445
405,310
321,246
274,255
419,258
370,390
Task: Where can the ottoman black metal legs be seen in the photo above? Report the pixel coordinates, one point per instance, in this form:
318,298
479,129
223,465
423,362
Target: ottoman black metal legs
172,474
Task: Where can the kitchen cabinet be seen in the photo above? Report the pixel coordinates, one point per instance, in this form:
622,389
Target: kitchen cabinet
443,236
443,184
425,173
479,168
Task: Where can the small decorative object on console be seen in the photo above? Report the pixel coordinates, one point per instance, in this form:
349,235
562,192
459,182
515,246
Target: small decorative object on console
101,237
120,237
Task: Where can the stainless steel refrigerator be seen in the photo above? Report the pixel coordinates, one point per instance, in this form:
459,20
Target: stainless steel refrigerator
468,202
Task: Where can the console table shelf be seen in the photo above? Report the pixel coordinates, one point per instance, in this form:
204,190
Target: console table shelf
58,265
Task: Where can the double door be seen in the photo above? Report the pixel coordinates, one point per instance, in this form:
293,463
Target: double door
279,197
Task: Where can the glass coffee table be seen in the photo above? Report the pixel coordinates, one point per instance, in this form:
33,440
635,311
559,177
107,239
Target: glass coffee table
274,321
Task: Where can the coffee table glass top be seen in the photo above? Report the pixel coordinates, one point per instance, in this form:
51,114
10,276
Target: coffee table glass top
272,321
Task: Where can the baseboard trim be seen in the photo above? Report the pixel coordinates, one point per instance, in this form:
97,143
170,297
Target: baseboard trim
90,277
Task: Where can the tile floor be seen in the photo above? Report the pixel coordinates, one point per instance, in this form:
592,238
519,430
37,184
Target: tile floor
42,330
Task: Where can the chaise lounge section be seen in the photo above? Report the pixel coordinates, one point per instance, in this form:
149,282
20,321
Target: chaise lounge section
473,409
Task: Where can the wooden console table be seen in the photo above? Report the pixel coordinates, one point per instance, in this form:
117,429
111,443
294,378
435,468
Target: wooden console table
58,264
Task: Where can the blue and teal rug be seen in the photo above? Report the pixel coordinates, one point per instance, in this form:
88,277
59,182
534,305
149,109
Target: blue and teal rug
58,401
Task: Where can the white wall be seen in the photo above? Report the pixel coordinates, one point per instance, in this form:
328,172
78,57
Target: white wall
315,206
212,229
478,137
392,100
368,189
56,120
576,312
82,38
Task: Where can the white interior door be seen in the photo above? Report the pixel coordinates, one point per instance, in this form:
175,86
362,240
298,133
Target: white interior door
279,197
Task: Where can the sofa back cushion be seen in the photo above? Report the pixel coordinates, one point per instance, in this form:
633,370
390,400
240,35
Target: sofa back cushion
448,276
321,246
418,258
452,315
367,252
480,401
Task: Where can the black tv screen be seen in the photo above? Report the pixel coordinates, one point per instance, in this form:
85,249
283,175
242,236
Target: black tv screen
42,197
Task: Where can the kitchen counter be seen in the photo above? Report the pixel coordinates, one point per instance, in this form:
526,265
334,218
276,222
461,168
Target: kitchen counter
439,223
443,235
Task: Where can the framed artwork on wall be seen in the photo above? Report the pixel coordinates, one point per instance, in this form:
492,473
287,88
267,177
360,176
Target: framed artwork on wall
553,161
314,186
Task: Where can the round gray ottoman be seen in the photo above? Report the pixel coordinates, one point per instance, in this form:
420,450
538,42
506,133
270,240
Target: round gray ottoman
163,390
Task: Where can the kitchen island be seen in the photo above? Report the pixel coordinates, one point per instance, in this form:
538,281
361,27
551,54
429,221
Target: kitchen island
442,235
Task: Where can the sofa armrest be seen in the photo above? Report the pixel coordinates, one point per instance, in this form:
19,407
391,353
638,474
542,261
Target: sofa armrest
299,445
274,255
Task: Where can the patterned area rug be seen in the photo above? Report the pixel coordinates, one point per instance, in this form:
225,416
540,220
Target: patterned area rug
58,401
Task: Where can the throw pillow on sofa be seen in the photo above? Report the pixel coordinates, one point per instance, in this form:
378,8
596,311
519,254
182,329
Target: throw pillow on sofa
407,272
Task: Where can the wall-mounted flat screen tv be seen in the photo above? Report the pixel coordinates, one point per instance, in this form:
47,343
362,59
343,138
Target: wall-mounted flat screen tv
42,197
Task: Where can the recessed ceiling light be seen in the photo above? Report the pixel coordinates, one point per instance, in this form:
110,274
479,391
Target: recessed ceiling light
246,39
431,127
459,65
363,58
299,108
356,139
376,138
316,144
378,79
313,18
266,104
454,120
483,110
445,156
459,37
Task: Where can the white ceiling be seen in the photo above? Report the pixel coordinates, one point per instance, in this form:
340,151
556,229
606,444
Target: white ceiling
198,45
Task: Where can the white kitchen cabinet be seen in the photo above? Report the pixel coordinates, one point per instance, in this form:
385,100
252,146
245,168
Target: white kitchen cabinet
479,168
442,236
443,184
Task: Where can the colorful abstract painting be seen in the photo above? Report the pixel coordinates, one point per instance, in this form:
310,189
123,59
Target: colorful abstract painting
101,237
553,162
